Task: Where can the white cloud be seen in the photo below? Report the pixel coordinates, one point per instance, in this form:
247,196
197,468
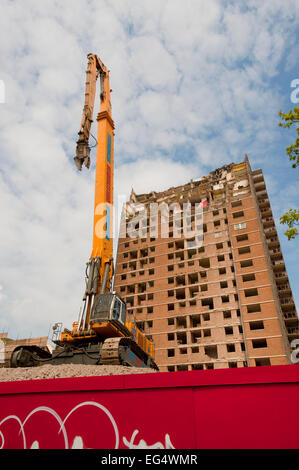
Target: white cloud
153,174
151,64
154,109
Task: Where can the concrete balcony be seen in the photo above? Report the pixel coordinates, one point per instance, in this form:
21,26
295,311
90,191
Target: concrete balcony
293,332
266,212
273,242
291,319
263,202
270,231
281,278
290,315
259,186
287,306
258,178
284,290
278,266
275,254
268,222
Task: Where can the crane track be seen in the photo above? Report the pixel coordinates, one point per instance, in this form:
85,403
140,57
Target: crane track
110,352
124,351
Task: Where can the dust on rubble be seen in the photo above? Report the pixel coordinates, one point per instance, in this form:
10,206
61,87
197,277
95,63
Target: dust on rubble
66,370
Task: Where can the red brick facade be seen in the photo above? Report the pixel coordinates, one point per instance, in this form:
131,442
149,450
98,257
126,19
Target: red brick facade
224,303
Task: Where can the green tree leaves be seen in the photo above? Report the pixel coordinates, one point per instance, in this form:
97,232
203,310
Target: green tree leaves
291,218
288,119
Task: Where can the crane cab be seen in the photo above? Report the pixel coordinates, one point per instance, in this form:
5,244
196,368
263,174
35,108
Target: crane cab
108,320
108,315
109,307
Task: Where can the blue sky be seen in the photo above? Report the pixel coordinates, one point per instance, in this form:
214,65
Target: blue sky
196,85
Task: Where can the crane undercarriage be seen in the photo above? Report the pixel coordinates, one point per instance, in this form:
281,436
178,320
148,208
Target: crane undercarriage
112,351
109,340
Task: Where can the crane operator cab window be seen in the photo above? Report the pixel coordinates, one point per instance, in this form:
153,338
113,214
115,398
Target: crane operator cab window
108,307
118,311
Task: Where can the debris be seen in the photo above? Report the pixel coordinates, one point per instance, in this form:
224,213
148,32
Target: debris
66,370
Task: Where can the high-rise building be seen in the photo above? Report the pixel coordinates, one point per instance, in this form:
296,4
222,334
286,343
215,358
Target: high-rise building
220,299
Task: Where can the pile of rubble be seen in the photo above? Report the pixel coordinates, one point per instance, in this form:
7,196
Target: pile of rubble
67,370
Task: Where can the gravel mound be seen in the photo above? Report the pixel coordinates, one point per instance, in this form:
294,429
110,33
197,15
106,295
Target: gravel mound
67,370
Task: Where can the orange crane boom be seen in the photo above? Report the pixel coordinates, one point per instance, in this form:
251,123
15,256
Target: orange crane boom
102,233
100,263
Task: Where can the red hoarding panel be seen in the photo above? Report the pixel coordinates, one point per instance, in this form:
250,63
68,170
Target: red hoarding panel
241,408
247,417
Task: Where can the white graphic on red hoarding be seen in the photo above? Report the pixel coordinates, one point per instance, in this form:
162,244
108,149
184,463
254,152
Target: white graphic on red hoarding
78,440
143,445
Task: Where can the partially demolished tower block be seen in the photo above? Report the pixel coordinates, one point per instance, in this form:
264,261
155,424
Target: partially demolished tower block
226,303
